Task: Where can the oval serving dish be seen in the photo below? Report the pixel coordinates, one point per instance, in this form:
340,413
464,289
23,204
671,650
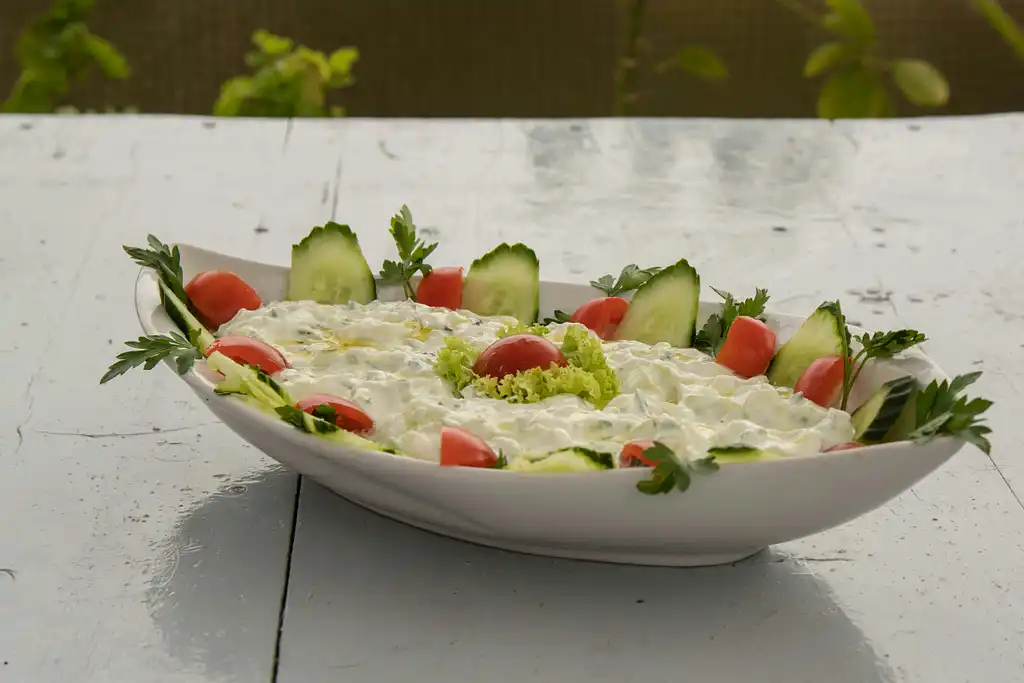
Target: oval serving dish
736,512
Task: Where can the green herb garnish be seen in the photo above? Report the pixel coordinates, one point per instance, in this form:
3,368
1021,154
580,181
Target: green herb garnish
877,345
166,261
411,250
148,351
941,411
712,335
670,472
557,317
631,277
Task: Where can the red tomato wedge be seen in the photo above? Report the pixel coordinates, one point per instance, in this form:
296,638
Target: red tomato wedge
822,381
632,454
460,448
441,287
249,351
844,446
602,315
517,353
218,295
749,347
347,414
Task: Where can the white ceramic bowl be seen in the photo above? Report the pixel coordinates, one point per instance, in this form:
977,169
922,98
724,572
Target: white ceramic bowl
723,517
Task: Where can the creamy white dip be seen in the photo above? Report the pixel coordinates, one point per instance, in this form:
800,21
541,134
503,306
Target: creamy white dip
382,355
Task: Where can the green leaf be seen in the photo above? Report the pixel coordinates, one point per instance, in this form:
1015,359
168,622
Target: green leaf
111,62
342,60
851,20
671,473
701,62
1002,22
148,351
557,317
853,93
631,277
888,344
920,82
270,44
941,411
825,57
712,335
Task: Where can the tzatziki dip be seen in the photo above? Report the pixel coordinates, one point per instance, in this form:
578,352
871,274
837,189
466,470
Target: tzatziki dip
382,355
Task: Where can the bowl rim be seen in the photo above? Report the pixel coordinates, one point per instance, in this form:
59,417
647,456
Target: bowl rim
147,294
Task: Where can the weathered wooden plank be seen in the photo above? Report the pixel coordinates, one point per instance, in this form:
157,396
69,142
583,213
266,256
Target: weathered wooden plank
147,542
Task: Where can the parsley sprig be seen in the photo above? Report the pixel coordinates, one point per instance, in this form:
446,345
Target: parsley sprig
631,277
876,345
166,261
557,317
412,252
148,351
712,335
671,472
942,411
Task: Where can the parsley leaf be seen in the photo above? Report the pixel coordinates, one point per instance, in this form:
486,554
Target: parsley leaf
877,345
558,317
631,277
412,252
166,261
941,411
671,473
150,350
712,335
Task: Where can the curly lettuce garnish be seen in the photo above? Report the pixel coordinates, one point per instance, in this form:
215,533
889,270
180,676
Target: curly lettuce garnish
588,374
520,328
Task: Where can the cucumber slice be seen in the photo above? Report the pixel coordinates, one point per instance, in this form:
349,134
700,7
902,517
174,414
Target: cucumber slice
822,334
328,267
504,281
565,460
739,454
664,309
874,419
183,318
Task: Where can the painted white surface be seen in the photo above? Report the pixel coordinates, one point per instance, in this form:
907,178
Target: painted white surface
926,589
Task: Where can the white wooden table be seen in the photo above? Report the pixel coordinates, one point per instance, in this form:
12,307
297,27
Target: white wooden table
147,543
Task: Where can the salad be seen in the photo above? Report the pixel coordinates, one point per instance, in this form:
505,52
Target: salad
459,370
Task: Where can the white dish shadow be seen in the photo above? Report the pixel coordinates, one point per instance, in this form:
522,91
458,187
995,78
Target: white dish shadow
724,517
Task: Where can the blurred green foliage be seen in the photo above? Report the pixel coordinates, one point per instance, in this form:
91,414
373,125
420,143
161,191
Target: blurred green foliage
858,80
55,50
1002,22
696,60
287,80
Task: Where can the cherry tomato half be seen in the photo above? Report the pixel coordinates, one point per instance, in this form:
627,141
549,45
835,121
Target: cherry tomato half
465,449
441,287
347,414
218,295
749,347
249,351
517,353
602,315
844,446
822,381
632,454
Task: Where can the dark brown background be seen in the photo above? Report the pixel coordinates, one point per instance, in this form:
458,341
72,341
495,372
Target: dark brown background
537,58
